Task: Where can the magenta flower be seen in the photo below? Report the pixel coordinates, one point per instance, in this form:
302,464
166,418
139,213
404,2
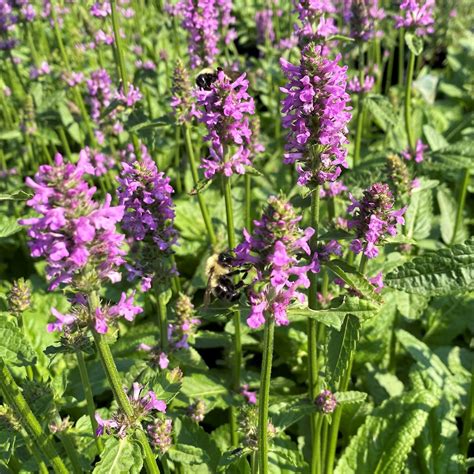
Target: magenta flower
264,25
419,152
182,101
417,15
316,114
373,219
355,86
274,251
316,20
326,401
100,162
160,433
249,395
75,235
61,321
226,109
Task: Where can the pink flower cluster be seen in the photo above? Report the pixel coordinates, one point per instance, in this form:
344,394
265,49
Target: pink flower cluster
316,22
417,15
316,114
226,109
418,155
373,218
75,234
142,406
274,251
355,85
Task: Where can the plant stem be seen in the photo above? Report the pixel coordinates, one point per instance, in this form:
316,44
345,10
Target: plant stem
194,172
467,418
86,384
237,362
313,326
118,47
248,202
264,394
115,383
408,125
177,164
401,55
461,203
336,420
162,317
71,452
360,109
17,402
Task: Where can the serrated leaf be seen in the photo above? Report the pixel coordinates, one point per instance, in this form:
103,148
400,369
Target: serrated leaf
419,214
435,140
120,456
340,348
18,195
350,397
8,226
285,414
201,186
384,441
414,43
457,156
437,273
202,386
353,278
150,124
14,348
448,206
381,110
232,457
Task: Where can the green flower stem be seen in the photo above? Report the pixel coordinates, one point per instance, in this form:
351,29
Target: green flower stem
177,157
238,360
77,95
264,394
336,421
316,465
388,79
194,172
118,46
360,109
115,383
248,202
313,328
408,85
86,384
363,263
17,402
461,203
467,418
401,55
162,317
71,451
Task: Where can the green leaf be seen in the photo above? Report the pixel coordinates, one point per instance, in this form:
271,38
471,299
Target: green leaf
286,413
120,456
10,135
340,348
8,226
232,457
448,206
18,195
14,348
347,398
454,157
384,441
150,124
414,43
435,140
437,273
419,213
381,110
353,278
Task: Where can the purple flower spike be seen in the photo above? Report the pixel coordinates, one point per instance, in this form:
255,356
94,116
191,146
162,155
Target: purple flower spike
316,114
76,235
226,110
417,15
274,250
373,219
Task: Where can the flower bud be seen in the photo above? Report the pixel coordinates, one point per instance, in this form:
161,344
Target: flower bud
19,297
326,401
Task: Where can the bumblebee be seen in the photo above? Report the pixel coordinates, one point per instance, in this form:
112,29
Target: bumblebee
220,270
206,77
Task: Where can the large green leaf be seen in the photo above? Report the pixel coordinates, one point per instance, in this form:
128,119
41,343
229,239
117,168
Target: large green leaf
340,347
14,348
384,441
286,413
381,110
334,316
120,456
8,226
437,273
419,213
353,278
457,156
448,206
414,43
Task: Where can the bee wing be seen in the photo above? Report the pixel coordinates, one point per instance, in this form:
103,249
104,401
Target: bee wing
208,292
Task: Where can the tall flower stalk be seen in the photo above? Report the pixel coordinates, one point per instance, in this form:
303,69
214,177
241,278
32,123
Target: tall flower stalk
273,250
226,110
316,115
